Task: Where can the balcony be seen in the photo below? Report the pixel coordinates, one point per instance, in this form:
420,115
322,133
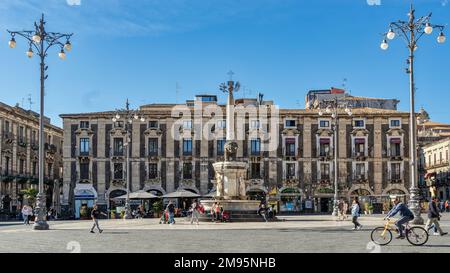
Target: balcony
325,156
395,178
50,148
8,137
358,155
359,178
394,155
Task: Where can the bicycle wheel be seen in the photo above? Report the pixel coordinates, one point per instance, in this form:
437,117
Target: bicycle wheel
417,236
380,236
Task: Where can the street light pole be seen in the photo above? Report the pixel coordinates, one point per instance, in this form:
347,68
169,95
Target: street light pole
412,31
128,116
333,108
42,41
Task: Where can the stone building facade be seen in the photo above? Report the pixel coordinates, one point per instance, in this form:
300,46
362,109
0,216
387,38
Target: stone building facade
19,155
174,149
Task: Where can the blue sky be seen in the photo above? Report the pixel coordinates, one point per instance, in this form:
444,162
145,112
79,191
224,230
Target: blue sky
141,49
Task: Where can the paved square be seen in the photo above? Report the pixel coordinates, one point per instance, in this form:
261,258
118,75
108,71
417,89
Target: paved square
296,234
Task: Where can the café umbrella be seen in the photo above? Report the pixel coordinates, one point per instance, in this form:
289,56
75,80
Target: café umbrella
138,195
181,194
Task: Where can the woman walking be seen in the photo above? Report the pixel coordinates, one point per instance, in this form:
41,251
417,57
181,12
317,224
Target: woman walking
356,214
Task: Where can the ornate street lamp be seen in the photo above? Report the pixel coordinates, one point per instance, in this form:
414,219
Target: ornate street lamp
128,115
412,31
332,107
41,41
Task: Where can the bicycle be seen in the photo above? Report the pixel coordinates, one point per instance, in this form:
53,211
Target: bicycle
382,236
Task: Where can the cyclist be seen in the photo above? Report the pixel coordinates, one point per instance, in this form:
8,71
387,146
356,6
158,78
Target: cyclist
405,213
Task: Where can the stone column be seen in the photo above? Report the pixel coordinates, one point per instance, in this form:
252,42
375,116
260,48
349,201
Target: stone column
307,146
170,177
14,165
204,162
135,157
378,156
67,158
342,146
101,162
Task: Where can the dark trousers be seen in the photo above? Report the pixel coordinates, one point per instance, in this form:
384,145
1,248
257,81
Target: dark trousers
355,221
401,222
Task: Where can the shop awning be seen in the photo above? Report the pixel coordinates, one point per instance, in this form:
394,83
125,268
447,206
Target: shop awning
290,140
138,195
430,175
181,194
396,140
324,141
360,140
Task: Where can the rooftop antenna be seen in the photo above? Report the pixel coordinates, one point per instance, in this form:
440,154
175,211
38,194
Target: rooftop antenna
30,102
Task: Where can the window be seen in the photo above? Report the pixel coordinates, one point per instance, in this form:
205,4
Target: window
187,146
360,146
152,146
290,146
84,124
118,147
256,170
7,161
395,171
222,124
7,128
290,171
22,166
359,123
153,124
34,137
395,149
254,124
34,168
324,124
360,171
187,124
325,171
119,124
220,146
187,170
118,171
152,171
290,123
395,123
255,146
21,134
324,149
84,146
84,171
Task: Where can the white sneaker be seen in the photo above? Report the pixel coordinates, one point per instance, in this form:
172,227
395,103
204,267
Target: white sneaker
360,227
436,234
353,228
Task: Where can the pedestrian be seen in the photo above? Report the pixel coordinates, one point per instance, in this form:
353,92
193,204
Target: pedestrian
434,217
262,211
340,210
195,212
171,210
26,213
446,206
95,213
213,211
344,210
356,209
217,212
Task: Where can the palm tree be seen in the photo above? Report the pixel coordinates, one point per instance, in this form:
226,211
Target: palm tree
30,195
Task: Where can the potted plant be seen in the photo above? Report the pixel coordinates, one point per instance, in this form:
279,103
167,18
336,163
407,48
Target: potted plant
30,195
157,208
113,214
370,208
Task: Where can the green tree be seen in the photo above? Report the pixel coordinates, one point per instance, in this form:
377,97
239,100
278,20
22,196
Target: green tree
30,195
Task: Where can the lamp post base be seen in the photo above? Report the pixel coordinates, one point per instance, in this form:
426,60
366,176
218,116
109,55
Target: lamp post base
414,206
40,223
127,214
335,209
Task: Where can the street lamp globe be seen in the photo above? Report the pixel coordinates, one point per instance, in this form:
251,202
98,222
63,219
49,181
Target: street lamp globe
391,34
68,46
320,113
117,116
333,115
30,53
428,29
142,119
328,110
12,43
114,119
36,38
384,45
136,117
441,38
62,55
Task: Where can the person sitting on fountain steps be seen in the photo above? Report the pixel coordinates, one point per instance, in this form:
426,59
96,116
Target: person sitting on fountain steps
405,213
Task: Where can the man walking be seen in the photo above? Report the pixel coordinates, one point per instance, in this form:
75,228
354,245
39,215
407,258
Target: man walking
434,217
95,213
171,211
195,211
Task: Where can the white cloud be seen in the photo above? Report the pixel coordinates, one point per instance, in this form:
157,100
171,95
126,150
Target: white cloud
73,2
374,2
444,3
